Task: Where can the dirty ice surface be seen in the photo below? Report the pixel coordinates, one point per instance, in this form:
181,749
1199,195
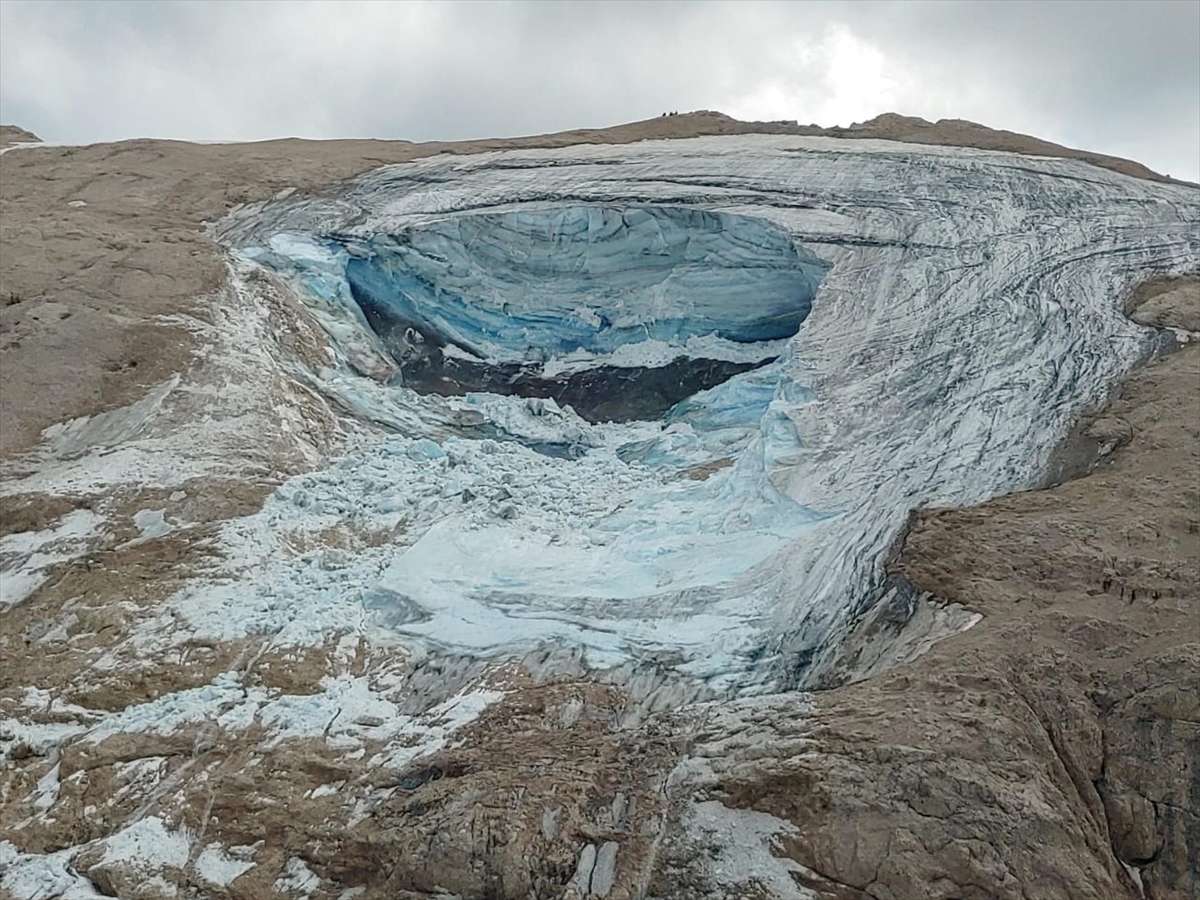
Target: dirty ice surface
926,322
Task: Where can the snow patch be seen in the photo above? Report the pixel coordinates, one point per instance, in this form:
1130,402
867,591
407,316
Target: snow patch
219,868
26,556
107,429
38,876
297,879
46,793
739,845
348,712
151,523
148,840
40,737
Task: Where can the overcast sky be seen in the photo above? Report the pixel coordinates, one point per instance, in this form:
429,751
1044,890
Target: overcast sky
1121,78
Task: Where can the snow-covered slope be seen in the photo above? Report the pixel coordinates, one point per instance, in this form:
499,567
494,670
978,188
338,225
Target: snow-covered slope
783,344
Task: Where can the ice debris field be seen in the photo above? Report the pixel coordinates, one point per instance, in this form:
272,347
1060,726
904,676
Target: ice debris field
673,401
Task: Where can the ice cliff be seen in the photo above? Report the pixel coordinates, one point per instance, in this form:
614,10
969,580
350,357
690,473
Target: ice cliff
669,404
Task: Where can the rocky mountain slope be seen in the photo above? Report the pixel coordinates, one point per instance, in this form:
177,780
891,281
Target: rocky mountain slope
314,588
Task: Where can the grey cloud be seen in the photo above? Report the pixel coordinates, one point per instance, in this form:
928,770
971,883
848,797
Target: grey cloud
1122,77
1112,76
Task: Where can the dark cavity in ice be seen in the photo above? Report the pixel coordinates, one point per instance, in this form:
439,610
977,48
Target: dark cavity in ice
547,303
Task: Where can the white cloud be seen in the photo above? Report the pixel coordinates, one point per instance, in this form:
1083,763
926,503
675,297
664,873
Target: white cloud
838,79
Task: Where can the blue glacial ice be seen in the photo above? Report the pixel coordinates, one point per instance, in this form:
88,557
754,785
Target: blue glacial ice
532,285
914,326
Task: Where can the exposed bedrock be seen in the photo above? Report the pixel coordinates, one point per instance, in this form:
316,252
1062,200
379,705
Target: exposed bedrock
602,394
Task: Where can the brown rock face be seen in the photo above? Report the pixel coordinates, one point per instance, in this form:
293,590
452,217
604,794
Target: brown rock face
1166,303
12,134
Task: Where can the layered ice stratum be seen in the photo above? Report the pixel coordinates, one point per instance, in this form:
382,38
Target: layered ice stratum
670,403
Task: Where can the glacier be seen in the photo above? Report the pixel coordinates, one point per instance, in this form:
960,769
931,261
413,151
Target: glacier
669,404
